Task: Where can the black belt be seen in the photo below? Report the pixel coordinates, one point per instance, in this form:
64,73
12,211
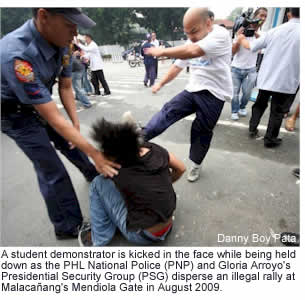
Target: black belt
11,108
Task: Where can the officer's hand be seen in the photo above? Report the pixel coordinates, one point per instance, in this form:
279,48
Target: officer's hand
104,166
76,126
156,87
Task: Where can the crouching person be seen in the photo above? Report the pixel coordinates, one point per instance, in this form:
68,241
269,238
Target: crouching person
140,200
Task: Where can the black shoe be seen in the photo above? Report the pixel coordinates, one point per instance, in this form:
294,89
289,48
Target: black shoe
296,172
272,143
290,239
253,134
145,84
97,94
106,94
67,235
84,236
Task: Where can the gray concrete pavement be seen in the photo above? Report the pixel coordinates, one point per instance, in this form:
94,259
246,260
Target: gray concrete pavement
244,188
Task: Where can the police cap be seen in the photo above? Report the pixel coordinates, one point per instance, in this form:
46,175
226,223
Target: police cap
74,15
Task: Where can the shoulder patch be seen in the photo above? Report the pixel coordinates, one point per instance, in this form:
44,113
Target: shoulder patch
24,71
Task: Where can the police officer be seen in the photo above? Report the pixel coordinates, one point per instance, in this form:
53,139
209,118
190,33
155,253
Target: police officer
32,57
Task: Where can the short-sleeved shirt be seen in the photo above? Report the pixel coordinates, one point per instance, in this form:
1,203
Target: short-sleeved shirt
147,189
244,58
280,68
212,71
29,66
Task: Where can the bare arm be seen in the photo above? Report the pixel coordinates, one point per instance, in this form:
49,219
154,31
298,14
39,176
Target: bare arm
182,52
243,41
67,99
169,76
51,114
235,48
177,167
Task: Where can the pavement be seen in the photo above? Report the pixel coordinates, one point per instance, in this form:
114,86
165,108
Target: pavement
244,189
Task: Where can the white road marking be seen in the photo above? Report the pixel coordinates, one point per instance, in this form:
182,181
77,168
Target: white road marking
238,124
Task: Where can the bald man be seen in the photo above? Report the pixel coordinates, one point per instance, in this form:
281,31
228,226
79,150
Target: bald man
208,53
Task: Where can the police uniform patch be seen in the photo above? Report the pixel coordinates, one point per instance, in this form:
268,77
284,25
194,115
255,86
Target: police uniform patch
33,90
24,71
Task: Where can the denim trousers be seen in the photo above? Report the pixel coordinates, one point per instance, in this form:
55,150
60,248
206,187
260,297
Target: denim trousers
54,181
85,82
77,86
242,79
108,212
207,108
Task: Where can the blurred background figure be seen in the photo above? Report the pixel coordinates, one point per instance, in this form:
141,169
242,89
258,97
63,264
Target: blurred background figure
78,69
149,62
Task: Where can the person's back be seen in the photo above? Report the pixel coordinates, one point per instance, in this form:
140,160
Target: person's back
140,200
281,64
148,60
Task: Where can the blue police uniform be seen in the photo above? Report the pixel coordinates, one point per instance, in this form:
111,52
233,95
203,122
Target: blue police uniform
29,67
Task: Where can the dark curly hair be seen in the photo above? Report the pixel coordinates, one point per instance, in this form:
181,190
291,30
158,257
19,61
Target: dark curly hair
120,142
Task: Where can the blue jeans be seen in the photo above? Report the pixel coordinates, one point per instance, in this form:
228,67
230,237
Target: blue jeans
108,212
85,81
245,79
77,86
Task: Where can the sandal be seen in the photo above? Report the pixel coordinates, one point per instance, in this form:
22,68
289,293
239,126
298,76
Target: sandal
289,124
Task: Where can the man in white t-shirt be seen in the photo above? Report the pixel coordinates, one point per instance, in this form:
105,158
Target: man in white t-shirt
208,53
96,65
244,68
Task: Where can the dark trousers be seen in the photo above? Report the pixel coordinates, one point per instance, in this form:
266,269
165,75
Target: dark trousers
98,76
156,67
54,181
280,104
150,74
207,108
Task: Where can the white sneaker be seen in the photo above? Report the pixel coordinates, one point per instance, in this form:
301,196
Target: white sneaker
194,174
127,117
242,112
235,117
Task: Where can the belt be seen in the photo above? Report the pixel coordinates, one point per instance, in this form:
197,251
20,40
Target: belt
11,108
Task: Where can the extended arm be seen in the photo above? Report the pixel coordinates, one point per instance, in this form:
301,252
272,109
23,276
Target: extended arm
51,114
177,167
170,75
67,99
182,52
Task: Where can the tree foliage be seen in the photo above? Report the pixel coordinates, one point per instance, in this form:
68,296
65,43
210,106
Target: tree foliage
166,22
12,18
113,25
235,13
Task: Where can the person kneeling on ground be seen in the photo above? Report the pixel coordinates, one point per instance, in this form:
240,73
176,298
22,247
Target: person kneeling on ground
140,201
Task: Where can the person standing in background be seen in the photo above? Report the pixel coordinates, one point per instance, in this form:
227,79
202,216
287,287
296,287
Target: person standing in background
156,43
243,68
96,65
149,62
78,69
279,75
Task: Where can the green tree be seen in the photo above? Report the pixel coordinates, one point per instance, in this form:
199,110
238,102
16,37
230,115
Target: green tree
12,18
166,22
113,25
235,13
